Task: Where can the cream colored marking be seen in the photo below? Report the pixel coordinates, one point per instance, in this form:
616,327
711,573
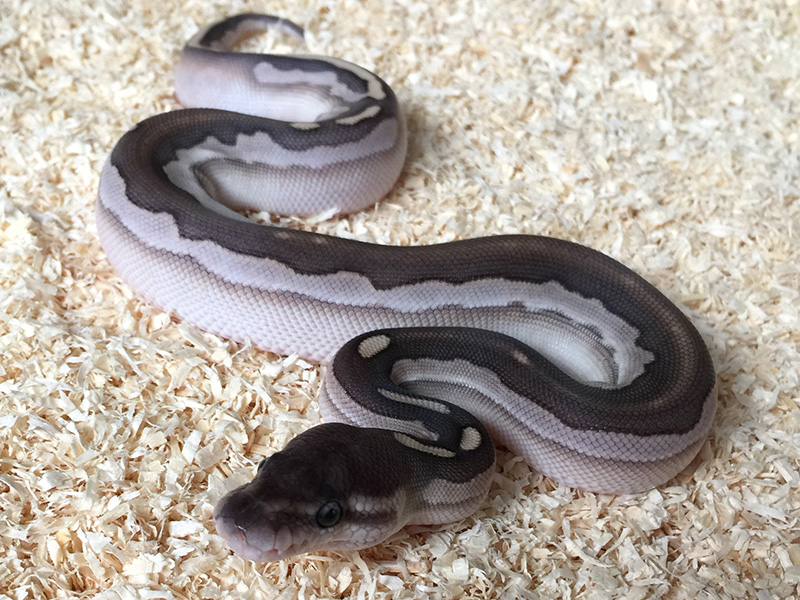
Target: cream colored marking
520,357
367,113
470,439
364,504
415,400
374,88
305,125
415,445
373,345
443,499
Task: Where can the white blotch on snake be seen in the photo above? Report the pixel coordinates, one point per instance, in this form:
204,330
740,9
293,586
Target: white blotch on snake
520,357
415,445
415,400
470,439
364,114
373,345
305,126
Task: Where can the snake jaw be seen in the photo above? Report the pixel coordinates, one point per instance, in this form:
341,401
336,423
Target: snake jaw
275,516
272,542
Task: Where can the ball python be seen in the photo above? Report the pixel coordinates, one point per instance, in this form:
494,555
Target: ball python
434,354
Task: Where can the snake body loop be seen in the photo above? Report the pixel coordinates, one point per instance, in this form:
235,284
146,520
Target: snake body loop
435,353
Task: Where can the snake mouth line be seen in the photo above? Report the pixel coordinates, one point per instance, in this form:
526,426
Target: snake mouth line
237,538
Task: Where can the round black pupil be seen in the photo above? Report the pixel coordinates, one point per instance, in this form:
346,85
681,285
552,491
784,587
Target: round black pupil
328,515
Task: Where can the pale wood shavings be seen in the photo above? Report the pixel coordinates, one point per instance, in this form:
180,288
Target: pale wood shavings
664,134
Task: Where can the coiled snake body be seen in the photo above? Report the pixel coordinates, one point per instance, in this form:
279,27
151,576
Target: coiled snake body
549,348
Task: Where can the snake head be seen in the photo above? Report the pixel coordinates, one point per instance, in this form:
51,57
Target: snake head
329,489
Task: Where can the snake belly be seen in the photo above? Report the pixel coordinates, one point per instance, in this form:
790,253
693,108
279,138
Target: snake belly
435,354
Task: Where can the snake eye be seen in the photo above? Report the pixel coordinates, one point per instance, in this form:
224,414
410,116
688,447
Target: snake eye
329,514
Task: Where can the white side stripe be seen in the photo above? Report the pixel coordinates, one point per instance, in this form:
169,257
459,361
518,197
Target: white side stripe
415,445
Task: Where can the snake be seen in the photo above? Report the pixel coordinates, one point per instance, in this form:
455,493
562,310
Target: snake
434,355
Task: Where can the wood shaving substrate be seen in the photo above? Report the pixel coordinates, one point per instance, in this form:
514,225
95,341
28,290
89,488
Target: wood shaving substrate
664,134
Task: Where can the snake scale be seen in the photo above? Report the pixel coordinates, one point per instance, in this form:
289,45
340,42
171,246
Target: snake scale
434,354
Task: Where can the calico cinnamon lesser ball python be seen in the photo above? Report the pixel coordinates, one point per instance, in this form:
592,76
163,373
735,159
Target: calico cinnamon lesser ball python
435,353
